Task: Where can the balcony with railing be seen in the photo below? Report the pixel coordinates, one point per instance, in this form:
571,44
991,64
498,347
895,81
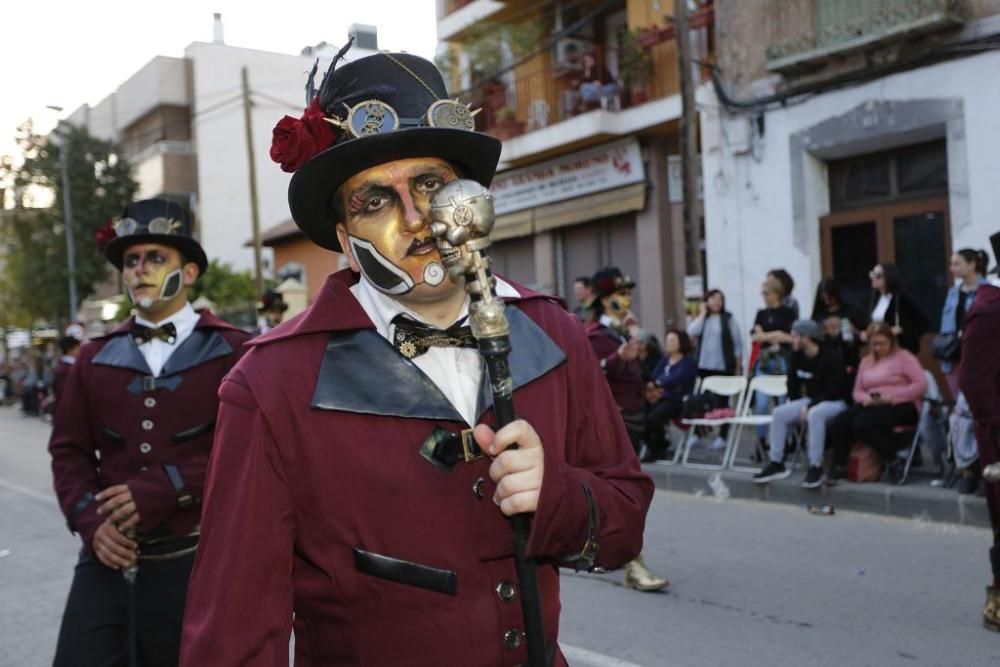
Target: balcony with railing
810,32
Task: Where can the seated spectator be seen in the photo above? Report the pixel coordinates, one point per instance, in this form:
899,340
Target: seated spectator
650,353
672,381
817,392
887,393
596,83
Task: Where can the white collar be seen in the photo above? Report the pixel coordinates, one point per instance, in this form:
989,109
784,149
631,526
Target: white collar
67,359
382,308
185,318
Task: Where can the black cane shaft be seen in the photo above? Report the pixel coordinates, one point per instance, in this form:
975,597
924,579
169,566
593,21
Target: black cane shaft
495,351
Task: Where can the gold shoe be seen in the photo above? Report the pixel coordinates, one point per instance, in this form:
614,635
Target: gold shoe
639,577
991,611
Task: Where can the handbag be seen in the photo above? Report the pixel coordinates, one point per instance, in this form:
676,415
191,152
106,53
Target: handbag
947,347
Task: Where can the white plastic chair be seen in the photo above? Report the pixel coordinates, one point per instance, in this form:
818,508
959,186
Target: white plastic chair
774,386
932,396
720,385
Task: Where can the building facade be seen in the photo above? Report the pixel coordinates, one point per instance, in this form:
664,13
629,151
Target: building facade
182,127
585,96
840,135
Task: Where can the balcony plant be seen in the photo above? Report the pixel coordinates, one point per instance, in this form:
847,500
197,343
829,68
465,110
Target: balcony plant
635,66
506,125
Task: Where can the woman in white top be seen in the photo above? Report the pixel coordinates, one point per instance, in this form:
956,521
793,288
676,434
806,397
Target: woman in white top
892,305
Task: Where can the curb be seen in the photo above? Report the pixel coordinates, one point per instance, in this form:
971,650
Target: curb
915,500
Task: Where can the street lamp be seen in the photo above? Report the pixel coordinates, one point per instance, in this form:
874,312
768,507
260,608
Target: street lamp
67,215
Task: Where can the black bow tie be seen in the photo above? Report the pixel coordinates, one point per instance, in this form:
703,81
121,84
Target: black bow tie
413,338
143,334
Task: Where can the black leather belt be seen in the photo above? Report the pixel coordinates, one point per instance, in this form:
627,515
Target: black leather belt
446,448
167,547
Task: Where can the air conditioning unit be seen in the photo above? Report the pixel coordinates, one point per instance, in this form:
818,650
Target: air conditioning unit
565,48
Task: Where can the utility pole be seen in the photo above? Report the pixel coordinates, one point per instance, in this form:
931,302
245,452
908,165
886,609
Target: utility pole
688,139
68,222
252,169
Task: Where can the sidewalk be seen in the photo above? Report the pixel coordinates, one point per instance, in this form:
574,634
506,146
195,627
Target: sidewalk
917,499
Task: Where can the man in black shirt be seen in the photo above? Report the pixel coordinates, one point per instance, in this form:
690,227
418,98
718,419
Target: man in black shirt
817,389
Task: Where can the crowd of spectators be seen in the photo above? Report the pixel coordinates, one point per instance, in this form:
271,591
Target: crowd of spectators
852,372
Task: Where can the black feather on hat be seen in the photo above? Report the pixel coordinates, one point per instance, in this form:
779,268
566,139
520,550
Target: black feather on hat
408,84
155,221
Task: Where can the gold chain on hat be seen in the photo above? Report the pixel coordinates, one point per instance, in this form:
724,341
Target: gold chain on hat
412,73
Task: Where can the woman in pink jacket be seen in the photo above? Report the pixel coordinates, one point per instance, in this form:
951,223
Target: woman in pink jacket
887,393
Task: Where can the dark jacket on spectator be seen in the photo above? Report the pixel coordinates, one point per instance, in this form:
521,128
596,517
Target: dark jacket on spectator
677,381
820,378
905,313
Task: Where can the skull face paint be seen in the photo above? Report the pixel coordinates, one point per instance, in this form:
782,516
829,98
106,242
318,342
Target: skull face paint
387,233
152,275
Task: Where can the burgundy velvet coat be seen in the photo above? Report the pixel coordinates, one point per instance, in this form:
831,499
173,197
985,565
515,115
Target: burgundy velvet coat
116,424
320,474
979,379
624,377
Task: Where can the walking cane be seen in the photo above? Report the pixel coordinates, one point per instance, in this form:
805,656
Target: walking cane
129,572
461,220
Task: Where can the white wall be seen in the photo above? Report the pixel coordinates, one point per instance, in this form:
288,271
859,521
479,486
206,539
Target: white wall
748,198
220,141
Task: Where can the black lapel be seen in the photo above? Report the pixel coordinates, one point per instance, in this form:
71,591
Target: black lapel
532,355
362,372
201,346
121,351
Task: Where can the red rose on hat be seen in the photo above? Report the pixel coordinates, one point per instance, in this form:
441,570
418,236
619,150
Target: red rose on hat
296,140
103,234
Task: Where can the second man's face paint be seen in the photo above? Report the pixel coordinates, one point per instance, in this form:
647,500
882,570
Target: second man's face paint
152,274
386,224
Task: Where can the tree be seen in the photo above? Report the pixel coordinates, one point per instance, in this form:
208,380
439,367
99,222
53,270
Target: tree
225,287
36,275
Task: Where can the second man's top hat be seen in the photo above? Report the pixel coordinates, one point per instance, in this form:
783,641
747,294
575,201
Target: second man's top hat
155,221
608,281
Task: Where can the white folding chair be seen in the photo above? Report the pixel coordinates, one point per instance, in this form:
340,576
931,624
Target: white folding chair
721,385
932,397
773,386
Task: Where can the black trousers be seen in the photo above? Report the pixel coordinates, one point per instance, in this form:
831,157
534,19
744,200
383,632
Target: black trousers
872,425
95,625
658,417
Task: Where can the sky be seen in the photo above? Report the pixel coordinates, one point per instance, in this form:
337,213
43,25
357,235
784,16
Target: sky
67,53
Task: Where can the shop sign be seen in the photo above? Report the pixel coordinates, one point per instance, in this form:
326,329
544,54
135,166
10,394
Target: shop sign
585,172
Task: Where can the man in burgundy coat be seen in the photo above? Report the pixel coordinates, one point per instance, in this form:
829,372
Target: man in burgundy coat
130,444
979,379
357,494
618,356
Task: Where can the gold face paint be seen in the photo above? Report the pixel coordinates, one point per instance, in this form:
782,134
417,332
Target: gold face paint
152,274
619,303
387,225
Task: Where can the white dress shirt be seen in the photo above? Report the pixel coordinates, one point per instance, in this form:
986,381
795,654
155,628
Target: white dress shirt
156,351
457,371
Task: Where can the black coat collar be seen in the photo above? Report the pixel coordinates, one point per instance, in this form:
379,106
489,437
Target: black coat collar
203,345
362,373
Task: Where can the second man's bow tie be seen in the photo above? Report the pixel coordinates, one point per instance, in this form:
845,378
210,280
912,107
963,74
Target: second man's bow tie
413,338
143,334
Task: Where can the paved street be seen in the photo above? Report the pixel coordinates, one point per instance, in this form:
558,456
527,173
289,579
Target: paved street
752,583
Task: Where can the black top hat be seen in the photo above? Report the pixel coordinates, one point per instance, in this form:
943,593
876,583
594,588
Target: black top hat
368,136
155,221
608,281
272,302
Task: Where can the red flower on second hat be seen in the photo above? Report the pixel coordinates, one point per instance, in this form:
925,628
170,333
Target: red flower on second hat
104,234
295,141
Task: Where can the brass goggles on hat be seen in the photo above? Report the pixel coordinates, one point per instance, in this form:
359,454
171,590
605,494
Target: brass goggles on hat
130,226
373,117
